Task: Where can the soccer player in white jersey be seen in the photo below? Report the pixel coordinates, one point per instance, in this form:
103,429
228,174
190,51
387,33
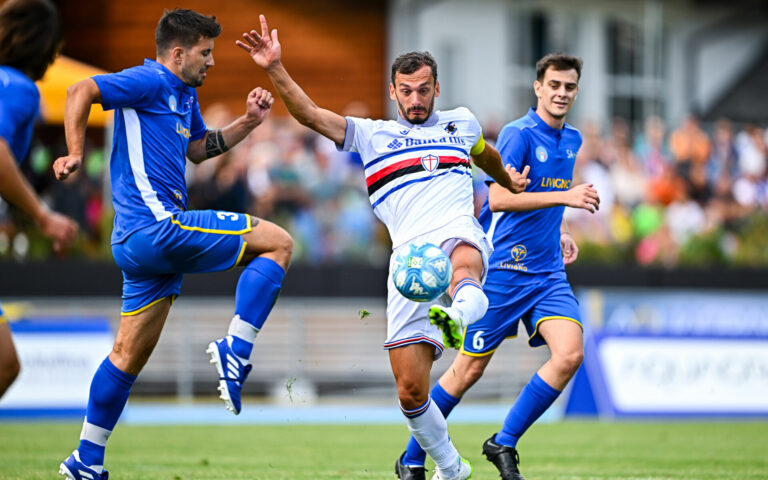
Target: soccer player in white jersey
527,283
155,239
419,182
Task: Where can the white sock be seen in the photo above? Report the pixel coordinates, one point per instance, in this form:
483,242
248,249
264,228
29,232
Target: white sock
431,431
469,300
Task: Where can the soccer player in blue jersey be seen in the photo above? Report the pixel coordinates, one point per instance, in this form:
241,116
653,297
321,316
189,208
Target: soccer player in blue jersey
526,279
155,239
30,38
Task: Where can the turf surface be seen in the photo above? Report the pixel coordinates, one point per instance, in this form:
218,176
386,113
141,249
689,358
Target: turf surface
562,451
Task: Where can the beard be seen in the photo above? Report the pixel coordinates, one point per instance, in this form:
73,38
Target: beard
192,77
417,121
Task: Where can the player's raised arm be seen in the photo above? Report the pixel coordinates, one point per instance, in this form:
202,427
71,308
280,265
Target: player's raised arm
215,142
488,159
80,97
265,51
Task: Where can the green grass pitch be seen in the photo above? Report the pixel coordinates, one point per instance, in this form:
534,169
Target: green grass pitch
559,451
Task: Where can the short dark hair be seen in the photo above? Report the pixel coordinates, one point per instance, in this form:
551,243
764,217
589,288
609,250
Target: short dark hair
558,61
408,63
185,27
30,36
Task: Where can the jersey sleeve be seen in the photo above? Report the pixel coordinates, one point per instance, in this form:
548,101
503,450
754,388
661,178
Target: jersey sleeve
19,108
133,87
197,125
511,145
358,134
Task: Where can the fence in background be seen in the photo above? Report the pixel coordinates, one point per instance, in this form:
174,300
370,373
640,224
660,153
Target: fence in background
309,348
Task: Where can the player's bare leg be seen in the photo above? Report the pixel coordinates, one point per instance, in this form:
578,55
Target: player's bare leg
9,361
136,338
411,365
267,254
469,301
464,372
564,339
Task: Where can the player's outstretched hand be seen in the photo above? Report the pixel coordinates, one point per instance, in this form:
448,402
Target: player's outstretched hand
263,49
60,229
583,196
64,166
570,250
258,104
520,180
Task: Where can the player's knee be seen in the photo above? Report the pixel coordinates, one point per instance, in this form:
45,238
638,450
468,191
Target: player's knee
411,394
568,362
130,360
284,249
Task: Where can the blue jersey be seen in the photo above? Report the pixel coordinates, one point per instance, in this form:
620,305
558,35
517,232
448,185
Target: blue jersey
19,108
156,116
529,242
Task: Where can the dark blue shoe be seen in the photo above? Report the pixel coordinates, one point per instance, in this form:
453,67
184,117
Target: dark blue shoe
232,373
74,469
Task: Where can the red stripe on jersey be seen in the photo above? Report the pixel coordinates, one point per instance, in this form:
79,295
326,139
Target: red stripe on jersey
444,160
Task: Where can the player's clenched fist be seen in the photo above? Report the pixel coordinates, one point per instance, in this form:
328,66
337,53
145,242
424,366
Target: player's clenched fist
64,166
258,104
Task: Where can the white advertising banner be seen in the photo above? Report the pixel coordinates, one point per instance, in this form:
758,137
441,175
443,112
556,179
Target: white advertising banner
58,359
686,375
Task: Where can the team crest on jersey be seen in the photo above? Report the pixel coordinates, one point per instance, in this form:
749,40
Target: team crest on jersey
519,252
541,154
178,195
451,128
172,102
430,162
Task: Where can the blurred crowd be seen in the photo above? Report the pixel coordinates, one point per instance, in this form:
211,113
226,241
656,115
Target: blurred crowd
686,195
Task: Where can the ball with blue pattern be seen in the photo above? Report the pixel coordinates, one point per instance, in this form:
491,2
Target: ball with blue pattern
422,272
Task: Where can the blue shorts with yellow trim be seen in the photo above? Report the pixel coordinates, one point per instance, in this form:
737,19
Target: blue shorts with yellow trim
155,258
544,297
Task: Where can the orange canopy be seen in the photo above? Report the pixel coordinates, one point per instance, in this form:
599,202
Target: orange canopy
53,90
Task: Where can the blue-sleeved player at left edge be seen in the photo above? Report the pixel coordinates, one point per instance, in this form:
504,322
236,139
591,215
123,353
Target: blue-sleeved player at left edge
155,239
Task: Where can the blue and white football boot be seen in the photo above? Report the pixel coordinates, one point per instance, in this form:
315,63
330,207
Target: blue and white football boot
232,373
74,469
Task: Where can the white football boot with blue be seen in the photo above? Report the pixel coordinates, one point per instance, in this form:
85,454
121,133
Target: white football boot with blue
74,469
464,472
232,370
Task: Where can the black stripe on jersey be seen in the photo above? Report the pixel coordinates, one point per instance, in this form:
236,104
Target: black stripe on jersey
412,169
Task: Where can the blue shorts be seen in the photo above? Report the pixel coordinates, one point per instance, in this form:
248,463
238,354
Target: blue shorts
545,297
154,259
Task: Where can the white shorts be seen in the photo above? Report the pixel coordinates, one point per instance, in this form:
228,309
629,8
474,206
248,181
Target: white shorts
408,321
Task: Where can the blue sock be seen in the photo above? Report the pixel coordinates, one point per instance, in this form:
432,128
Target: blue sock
414,455
534,400
256,294
110,388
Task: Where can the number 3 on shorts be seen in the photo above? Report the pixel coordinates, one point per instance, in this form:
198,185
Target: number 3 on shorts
227,216
477,340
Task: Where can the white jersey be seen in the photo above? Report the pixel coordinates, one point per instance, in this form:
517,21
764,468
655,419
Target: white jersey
419,177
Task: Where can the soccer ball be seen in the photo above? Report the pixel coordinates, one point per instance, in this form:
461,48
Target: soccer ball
422,272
